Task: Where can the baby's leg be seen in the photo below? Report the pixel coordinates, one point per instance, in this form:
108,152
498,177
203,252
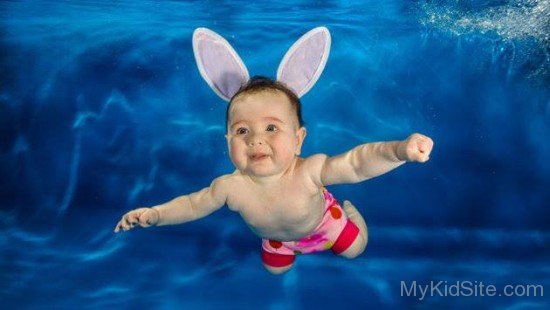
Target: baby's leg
360,243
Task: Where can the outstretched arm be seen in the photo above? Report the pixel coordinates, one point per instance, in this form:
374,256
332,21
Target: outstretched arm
373,159
182,209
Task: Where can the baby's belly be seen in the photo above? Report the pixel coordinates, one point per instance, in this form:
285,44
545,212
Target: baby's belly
286,225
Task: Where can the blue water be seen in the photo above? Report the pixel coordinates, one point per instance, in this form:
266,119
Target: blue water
102,110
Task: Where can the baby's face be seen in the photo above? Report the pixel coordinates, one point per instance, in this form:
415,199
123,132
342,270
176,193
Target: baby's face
263,133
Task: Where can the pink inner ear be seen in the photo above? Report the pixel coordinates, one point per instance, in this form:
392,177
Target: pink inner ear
221,68
303,66
219,64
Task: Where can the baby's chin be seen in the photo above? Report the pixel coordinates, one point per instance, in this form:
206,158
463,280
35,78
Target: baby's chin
264,167
260,171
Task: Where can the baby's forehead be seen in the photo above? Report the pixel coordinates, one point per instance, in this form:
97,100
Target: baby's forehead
264,102
272,98
261,94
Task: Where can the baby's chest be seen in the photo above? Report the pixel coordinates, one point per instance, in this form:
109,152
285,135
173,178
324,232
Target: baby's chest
282,208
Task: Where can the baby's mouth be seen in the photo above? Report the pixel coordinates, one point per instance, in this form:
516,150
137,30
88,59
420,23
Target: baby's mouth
258,156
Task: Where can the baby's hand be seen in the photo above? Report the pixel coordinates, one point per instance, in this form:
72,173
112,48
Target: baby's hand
144,217
416,147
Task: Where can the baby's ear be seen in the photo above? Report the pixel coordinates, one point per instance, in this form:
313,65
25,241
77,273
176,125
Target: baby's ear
300,135
218,63
305,60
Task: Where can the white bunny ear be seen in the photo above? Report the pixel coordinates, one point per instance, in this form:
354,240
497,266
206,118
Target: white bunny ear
305,60
218,63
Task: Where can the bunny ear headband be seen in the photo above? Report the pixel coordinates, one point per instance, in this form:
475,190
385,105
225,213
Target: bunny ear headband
225,72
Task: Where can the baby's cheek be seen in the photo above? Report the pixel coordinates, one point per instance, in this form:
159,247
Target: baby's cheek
234,155
287,151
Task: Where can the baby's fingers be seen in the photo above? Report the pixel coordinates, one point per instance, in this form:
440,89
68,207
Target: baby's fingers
126,224
148,218
128,221
425,146
421,155
418,156
121,225
133,218
420,147
422,158
142,217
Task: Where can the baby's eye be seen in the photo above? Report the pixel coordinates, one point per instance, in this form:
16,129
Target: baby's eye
241,131
271,127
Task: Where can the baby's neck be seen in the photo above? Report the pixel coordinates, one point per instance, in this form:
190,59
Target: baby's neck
265,180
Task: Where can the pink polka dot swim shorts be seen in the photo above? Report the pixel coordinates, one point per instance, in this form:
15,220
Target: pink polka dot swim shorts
335,232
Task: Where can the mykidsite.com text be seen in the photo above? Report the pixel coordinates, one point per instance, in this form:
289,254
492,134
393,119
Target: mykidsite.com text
468,289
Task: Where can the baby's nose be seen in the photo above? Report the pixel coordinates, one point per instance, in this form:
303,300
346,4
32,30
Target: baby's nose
255,140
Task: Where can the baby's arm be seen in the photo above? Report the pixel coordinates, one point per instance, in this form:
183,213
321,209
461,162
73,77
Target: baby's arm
372,159
182,209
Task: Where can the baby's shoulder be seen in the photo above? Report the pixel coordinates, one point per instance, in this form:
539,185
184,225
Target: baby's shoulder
315,161
228,179
313,165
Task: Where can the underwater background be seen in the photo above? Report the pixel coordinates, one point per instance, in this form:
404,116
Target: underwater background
102,110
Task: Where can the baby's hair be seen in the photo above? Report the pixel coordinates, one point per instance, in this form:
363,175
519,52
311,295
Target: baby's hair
260,83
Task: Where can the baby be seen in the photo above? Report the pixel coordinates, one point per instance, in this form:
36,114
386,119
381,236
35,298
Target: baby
280,195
